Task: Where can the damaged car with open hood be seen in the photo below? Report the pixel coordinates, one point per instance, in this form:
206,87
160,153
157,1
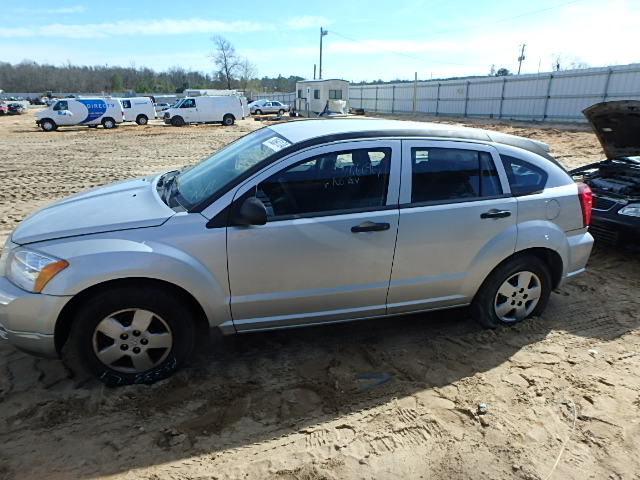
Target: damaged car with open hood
615,181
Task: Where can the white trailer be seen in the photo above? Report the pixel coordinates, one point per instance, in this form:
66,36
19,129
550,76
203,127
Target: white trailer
314,96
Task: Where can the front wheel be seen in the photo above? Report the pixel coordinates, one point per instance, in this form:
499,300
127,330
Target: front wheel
228,120
177,121
258,112
280,112
516,290
48,125
132,335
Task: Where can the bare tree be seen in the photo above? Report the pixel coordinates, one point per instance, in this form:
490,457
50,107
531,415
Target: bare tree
225,58
247,72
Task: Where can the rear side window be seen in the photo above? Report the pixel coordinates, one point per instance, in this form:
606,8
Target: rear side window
126,103
450,174
524,178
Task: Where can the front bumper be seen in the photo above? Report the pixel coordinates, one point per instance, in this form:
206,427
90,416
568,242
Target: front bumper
612,228
27,320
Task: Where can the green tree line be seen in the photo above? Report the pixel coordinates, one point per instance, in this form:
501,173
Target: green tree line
29,76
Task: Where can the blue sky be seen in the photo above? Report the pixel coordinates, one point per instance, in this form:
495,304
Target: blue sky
366,40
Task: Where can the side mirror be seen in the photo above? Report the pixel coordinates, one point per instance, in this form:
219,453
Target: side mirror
252,212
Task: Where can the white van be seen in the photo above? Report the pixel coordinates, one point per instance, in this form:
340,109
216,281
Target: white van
138,109
107,112
226,110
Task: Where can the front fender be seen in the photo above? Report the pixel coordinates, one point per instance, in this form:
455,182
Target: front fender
95,261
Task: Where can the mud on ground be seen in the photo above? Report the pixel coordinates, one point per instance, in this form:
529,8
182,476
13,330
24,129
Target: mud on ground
393,398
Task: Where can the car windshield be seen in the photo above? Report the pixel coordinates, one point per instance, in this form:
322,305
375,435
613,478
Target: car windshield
201,181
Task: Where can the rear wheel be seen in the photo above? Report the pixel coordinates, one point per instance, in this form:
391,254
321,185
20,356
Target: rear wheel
108,123
516,290
228,120
48,125
142,120
132,335
177,121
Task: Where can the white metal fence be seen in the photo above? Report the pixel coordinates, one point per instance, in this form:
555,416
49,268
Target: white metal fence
288,98
557,96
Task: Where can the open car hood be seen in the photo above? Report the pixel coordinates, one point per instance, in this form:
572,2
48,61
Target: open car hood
617,126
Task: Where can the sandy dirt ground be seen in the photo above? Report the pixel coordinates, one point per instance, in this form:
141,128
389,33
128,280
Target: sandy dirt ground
384,399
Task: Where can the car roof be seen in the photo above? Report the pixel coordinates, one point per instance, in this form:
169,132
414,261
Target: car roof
308,129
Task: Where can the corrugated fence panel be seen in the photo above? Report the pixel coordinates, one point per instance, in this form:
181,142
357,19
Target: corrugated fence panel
557,96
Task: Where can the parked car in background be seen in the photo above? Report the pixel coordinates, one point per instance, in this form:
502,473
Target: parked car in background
3,108
615,181
15,108
161,107
138,109
92,112
223,109
268,106
299,223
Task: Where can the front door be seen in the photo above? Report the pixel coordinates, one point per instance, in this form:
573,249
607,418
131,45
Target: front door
188,110
457,222
326,251
63,115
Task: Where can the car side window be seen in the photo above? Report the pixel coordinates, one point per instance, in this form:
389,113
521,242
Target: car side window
191,103
61,105
441,174
524,178
126,103
330,182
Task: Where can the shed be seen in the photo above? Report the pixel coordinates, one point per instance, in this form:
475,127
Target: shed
312,95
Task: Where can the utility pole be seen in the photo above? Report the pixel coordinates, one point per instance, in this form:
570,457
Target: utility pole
322,34
314,71
521,58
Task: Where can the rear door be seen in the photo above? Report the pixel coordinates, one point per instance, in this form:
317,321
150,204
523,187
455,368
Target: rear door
457,217
326,251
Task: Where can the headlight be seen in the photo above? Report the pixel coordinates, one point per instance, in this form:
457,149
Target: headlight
31,270
632,210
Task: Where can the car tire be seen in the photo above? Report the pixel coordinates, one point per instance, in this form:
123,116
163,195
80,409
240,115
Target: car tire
280,112
108,123
228,120
177,121
258,111
48,125
142,120
517,289
104,339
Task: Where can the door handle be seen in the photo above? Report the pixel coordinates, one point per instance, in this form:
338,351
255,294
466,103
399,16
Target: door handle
370,227
496,214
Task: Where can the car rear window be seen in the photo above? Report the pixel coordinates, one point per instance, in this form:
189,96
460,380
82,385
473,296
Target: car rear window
524,178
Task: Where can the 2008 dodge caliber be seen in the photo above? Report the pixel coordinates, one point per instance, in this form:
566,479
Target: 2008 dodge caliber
301,223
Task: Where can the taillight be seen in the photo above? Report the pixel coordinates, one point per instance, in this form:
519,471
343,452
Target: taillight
586,202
